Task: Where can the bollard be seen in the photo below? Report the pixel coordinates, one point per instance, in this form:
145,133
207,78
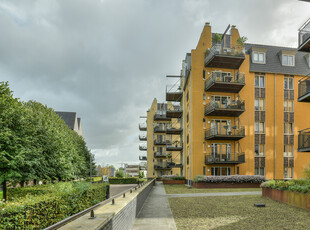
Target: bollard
124,195
130,190
92,215
107,195
113,202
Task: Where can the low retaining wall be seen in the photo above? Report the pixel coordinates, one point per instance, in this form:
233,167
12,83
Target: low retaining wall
224,185
173,181
292,198
118,215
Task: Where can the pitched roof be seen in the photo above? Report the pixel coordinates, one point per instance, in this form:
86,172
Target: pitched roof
68,117
273,61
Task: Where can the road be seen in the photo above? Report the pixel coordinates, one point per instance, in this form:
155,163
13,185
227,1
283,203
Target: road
118,188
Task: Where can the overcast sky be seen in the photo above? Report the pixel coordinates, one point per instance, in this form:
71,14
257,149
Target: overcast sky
107,60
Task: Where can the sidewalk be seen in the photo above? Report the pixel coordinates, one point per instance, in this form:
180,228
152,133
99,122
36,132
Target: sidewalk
215,194
155,213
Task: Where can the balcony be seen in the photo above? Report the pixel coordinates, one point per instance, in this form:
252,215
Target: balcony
174,93
142,158
227,158
161,117
162,155
304,89
225,133
177,147
229,109
224,82
142,147
160,142
304,140
304,37
174,111
221,57
174,165
160,128
162,167
142,137
173,130
142,127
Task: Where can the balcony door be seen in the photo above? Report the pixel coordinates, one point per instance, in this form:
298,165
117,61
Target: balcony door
221,127
221,152
221,102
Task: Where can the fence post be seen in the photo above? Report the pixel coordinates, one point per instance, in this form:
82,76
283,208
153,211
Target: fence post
107,195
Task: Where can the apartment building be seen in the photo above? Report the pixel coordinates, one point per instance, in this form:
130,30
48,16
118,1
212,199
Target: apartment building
163,135
241,114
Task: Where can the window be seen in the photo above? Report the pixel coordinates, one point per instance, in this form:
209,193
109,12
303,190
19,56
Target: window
260,171
204,123
288,106
288,172
289,83
288,128
204,147
288,60
260,150
204,171
187,95
259,127
221,102
259,57
288,150
259,81
260,104
204,75
204,98
220,171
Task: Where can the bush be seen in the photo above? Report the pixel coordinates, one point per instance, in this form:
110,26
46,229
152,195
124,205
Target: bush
28,211
173,177
307,172
128,180
300,185
230,179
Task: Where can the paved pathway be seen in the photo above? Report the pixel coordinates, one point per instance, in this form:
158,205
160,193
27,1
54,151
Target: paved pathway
155,213
215,194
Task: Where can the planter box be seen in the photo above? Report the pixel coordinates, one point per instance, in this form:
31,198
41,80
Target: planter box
292,198
225,185
173,181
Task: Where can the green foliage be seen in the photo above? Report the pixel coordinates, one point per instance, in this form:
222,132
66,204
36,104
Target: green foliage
300,185
59,201
120,174
307,172
36,144
241,41
173,177
141,174
128,180
217,38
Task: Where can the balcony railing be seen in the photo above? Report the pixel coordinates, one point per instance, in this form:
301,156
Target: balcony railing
225,158
162,154
142,137
142,127
160,128
304,89
174,92
304,37
174,111
163,166
160,142
142,147
230,109
225,132
174,147
174,128
222,57
142,158
175,165
304,140
161,117
223,82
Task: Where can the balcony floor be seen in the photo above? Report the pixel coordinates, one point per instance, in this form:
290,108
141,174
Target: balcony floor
224,61
225,87
224,137
224,112
305,46
174,131
173,114
174,96
304,98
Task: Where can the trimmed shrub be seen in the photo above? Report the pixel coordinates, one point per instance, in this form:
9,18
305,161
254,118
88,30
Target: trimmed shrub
230,179
300,185
40,211
173,177
127,180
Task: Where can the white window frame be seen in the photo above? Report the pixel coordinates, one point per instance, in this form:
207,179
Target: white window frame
292,172
260,170
259,81
258,54
289,86
290,153
260,154
257,129
257,107
286,103
288,63
290,124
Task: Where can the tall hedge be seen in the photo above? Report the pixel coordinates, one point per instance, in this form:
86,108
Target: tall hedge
127,180
59,201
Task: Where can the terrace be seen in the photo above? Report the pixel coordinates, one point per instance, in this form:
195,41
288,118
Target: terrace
304,37
225,133
229,109
225,82
304,140
304,89
225,158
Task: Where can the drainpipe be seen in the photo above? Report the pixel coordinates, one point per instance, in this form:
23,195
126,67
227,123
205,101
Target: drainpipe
275,132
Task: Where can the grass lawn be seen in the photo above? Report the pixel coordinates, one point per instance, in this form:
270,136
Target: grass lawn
236,212
180,188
